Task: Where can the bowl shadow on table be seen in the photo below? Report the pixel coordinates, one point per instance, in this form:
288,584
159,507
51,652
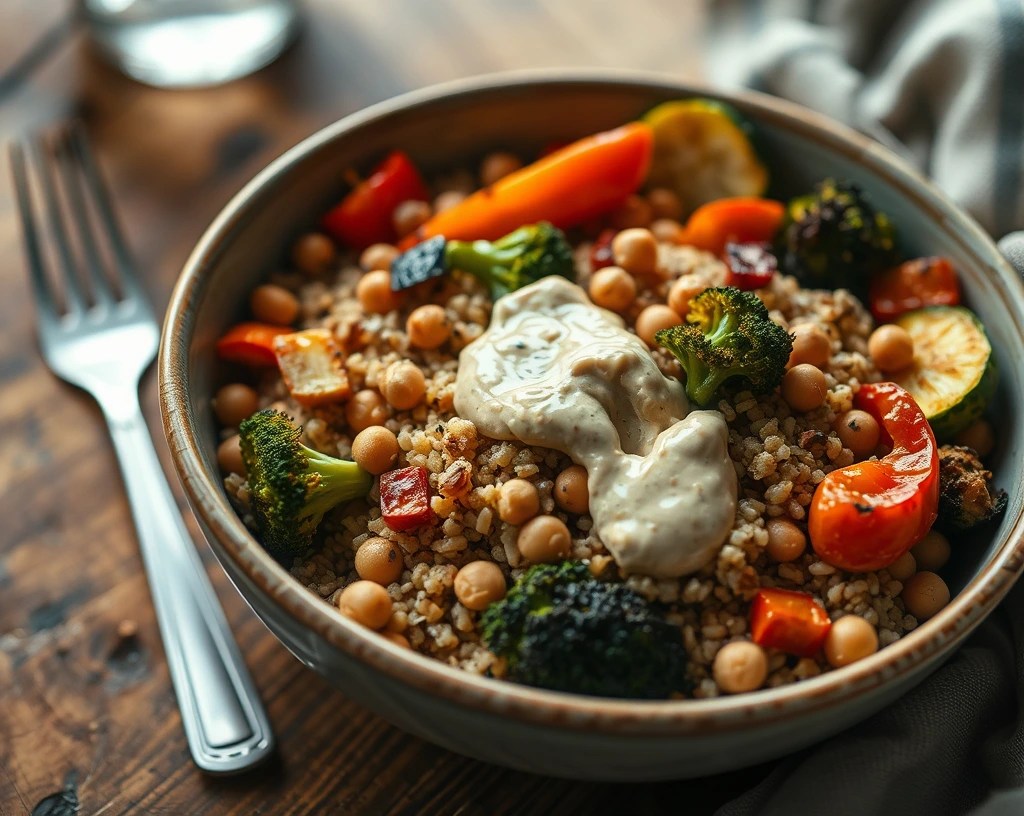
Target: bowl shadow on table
372,768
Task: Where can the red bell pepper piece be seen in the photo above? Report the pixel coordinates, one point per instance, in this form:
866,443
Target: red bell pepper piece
601,250
914,285
736,220
587,178
790,621
364,216
865,516
751,266
250,344
405,498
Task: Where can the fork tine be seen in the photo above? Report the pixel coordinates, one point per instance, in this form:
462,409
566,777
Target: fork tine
45,300
73,294
69,167
94,181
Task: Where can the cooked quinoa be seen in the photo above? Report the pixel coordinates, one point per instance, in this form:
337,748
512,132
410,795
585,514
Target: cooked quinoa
779,457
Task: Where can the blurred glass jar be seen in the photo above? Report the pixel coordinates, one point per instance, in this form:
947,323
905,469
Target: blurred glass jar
190,43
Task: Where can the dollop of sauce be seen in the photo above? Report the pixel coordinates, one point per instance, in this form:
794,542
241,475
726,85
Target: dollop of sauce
555,371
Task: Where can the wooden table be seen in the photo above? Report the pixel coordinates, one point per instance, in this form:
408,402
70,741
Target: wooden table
84,703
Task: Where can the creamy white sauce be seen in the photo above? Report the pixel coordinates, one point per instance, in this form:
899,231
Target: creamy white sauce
555,371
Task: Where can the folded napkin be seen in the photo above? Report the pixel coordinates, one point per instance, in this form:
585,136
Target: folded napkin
942,83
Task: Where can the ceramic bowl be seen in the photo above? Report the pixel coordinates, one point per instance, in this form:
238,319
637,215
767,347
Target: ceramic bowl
530,729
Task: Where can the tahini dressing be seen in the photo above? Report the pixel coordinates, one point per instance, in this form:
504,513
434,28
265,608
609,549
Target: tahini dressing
555,371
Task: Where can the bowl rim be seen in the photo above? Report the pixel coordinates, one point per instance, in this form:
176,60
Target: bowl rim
232,539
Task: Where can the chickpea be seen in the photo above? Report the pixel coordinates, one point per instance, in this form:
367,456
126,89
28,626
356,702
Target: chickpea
653,319
891,347
635,211
613,288
685,289
375,449
496,166
428,326
859,432
665,203
810,345
851,638
479,584
932,552
403,385
665,230
229,456
397,638
378,256
518,501
271,303
448,199
378,560
313,253
571,492
636,251
925,595
978,436
804,387
375,293
366,602
903,567
786,541
544,539
740,666
234,403
364,409
409,216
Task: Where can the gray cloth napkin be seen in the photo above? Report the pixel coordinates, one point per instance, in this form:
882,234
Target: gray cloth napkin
942,83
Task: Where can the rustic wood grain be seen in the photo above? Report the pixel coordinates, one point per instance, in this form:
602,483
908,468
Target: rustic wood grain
86,712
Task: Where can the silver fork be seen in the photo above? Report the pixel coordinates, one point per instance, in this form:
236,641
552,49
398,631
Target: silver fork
102,341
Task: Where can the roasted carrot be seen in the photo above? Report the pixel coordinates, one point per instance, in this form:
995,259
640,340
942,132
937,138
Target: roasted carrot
733,220
577,182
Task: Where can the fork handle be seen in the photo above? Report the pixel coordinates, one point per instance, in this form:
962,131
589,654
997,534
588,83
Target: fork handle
225,724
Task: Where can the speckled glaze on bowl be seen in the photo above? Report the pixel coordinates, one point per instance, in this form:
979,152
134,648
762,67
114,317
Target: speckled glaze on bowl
547,732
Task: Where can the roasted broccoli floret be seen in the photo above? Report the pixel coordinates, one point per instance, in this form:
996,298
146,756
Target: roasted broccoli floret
728,333
291,486
834,238
560,628
520,258
966,495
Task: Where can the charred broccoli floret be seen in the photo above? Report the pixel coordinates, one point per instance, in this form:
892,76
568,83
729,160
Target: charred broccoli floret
966,495
520,258
291,486
834,238
560,628
727,334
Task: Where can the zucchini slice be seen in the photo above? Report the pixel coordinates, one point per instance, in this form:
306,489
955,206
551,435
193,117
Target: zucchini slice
701,151
954,373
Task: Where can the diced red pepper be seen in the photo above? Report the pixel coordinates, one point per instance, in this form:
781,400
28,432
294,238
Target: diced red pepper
865,516
601,250
914,285
405,498
751,265
250,344
790,621
364,216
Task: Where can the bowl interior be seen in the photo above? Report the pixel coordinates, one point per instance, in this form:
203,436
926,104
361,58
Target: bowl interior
454,130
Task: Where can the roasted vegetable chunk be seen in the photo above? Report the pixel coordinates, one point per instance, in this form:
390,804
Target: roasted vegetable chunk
560,628
966,495
833,238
